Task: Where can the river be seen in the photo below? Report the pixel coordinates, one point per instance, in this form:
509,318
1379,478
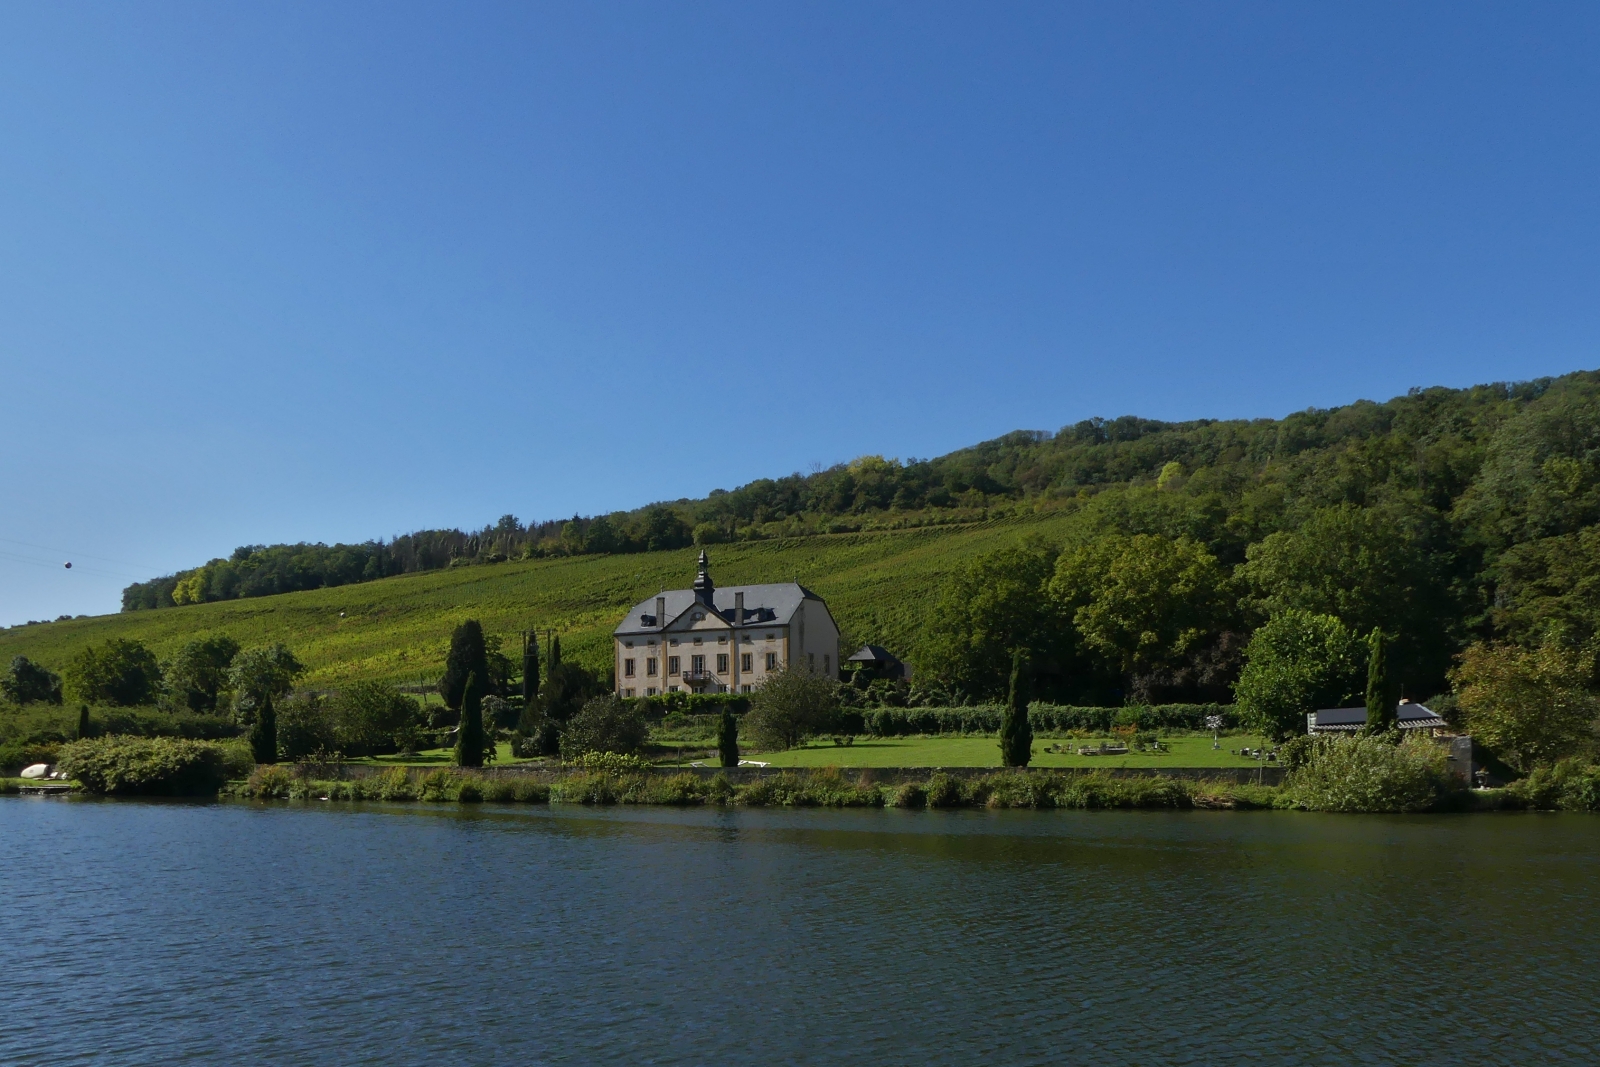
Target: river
148,932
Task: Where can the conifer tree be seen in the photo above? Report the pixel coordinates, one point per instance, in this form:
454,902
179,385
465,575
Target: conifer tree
468,656
555,654
264,732
470,737
1380,690
728,739
83,721
1016,735
530,671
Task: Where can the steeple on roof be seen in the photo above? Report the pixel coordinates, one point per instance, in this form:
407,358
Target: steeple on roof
704,587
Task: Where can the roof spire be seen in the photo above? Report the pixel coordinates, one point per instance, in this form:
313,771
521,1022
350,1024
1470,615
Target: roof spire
704,587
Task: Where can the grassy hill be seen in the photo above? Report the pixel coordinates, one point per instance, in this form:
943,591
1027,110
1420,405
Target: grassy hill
879,586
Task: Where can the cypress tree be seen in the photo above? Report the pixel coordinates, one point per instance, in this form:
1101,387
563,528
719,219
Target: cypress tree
264,733
469,737
555,654
1380,690
1016,736
83,721
728,739
530,671
467,657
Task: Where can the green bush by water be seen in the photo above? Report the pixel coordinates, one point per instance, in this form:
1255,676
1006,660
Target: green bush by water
1372,774
161,766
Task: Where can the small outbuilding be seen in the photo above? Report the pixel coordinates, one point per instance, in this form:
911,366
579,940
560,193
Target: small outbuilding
1349,720
880,663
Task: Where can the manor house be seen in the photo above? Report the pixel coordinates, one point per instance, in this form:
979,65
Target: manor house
710,640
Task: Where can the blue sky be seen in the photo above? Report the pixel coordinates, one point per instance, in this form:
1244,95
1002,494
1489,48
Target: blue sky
325,271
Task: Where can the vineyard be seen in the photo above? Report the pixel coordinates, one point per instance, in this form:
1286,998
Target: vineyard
879,585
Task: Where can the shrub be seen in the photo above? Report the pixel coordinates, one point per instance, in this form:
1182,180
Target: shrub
606,724
270,781
910,795
393,784
943,791
1570,785
439,785
790,706
1369,774
367,717
608,762
155,765
527,791
305,727
237,759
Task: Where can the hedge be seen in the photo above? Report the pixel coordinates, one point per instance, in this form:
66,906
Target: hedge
985,718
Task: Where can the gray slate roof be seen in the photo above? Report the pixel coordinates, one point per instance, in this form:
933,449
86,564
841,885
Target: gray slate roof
780,601
1410,717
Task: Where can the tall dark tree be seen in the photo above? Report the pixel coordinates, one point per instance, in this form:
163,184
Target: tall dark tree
1381,695
84,727
470,737
1016,735
530,670
555,654
728,739
468,656
264,732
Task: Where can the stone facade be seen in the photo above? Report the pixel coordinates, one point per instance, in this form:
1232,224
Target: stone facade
710,640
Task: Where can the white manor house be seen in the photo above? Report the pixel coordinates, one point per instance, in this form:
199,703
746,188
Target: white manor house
710,640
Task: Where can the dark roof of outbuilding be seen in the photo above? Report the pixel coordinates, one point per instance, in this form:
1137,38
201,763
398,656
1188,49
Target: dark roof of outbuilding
873,654
1410,717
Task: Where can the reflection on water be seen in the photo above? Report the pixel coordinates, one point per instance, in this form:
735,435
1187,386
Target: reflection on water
339,934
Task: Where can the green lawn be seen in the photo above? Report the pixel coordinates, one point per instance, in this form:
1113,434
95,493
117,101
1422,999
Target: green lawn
985,752
879,586
437,757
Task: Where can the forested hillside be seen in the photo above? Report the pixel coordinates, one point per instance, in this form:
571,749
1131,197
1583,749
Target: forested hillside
1500,465
1133,558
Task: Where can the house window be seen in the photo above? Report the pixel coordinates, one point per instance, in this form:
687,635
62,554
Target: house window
769,637
744,689
627,668
722,663
627,692
697,664
628,643
744,661
772,661
699,641
650,692
650,667
722,640
672,664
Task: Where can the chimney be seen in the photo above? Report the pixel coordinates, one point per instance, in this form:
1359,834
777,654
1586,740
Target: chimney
738,608
661,611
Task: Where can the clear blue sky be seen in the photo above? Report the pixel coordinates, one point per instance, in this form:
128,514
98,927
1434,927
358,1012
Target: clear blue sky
323,271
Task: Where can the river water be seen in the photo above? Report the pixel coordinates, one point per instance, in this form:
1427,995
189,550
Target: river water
172,932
